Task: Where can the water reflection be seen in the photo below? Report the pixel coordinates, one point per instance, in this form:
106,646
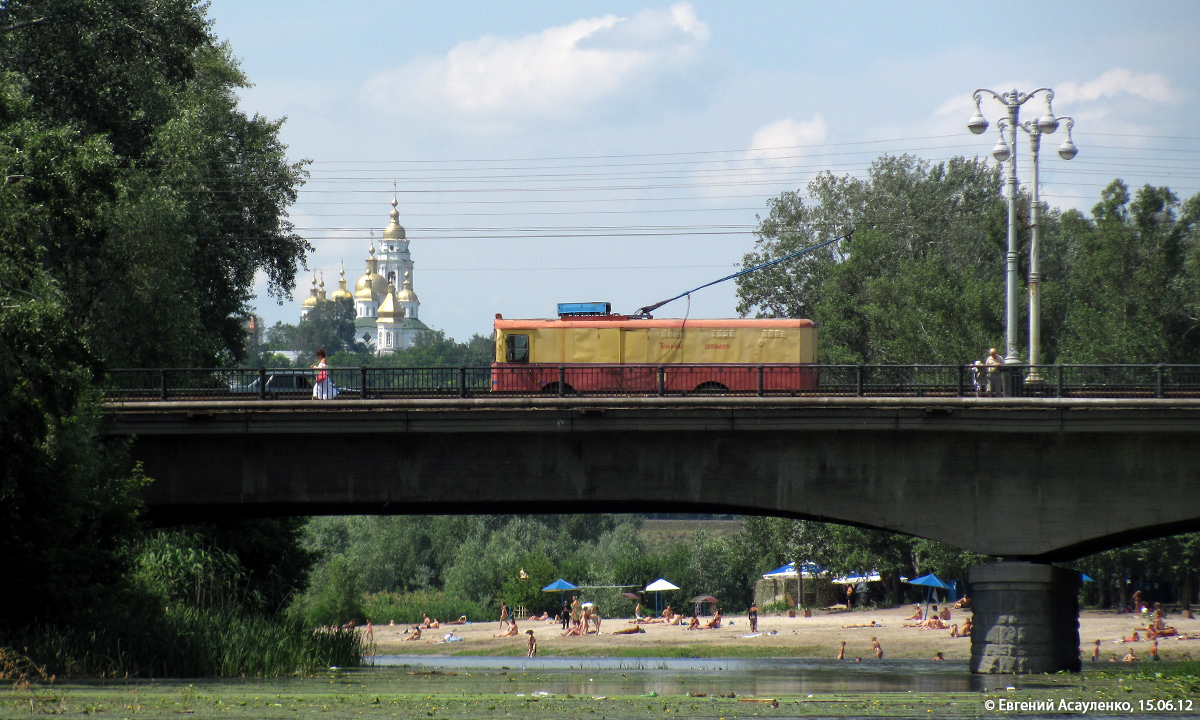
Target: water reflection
710,676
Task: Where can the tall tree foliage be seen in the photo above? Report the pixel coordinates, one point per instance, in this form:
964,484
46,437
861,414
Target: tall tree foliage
65,500
918,280
156,248
1134,278
136,205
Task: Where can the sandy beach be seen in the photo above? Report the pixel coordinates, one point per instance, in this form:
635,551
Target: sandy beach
817,636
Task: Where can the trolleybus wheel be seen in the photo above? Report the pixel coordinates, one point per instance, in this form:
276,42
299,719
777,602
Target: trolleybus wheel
711,387
552,389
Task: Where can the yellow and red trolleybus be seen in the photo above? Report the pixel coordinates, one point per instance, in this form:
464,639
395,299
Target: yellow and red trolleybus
607,353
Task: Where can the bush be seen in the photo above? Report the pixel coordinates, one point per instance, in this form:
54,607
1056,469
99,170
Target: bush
188,642
409,608
333,598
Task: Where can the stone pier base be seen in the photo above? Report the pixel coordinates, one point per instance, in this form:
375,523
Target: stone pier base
1026,618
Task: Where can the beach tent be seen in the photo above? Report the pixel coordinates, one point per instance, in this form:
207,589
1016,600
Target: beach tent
560,586
857,578
658,586
788,572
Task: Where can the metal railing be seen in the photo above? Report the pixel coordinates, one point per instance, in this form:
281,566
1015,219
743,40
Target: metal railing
596,380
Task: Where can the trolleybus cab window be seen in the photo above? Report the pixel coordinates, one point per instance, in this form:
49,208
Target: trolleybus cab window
516,348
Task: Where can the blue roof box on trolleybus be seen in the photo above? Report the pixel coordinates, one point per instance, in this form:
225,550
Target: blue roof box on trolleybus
584,308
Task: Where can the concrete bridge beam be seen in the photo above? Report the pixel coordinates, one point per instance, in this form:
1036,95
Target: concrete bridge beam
1028,479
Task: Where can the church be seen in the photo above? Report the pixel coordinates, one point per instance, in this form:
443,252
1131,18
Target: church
387,311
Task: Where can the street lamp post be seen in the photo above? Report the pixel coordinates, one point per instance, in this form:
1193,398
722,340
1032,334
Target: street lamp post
1006,151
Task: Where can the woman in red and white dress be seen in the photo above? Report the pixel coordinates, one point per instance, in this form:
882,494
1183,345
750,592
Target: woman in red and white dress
323,388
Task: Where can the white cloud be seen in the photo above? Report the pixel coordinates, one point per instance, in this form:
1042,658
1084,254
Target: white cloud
559,72
782,155
782,140
1119,81
961,104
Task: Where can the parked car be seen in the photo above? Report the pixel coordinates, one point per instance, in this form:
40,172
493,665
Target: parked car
281,384
288,385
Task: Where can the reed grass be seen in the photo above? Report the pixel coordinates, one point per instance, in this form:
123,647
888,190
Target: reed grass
187,642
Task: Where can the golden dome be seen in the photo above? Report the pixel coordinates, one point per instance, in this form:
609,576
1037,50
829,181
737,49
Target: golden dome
394,230
311,300
372,286
321,297
342,293
389,311
406,294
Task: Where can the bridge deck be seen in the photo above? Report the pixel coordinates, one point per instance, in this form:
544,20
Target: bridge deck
1016,477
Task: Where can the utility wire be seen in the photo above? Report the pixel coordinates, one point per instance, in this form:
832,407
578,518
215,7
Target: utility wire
650,308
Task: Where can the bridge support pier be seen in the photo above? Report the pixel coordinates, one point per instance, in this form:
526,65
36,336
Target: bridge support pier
1026,618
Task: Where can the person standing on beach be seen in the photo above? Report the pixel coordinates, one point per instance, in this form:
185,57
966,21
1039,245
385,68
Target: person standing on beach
877,647
842,651
752,616
849,596
532,644
503,614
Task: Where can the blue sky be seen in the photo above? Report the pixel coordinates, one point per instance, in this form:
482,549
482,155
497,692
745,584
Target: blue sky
619,151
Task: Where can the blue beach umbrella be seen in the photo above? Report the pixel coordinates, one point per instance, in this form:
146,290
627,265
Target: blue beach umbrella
930,581
560,586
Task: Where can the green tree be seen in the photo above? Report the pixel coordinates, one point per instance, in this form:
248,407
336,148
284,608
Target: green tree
524,582
335,596
66,500
137,206
329,325
434,349
1134,281
920,279
156,245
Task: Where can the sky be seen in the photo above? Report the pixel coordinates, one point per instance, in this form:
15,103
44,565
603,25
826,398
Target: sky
546,152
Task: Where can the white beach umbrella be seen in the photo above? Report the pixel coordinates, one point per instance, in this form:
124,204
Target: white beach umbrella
657,587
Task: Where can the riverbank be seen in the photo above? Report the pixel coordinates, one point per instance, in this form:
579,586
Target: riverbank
817,637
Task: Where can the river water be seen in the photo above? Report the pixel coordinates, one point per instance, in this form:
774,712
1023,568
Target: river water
713,676
889,680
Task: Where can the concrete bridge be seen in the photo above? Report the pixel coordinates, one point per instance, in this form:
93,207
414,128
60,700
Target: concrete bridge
1021,479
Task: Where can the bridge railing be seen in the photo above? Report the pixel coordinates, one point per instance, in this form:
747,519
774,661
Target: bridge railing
594,380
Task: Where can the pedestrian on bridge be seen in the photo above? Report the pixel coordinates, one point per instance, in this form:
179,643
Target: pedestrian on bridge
993,363
323,388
